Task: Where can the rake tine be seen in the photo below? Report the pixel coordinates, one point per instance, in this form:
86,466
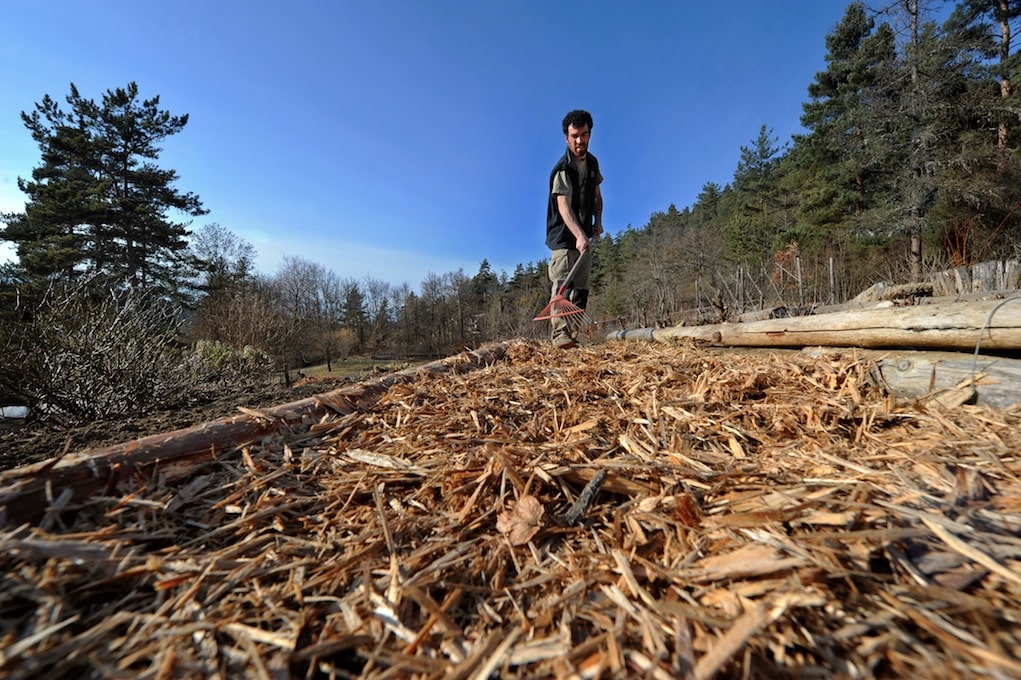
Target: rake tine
559,305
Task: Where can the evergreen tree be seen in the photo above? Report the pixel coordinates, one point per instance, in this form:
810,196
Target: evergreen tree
980,197
355,316
842,179
485,304
886,119
752,227
929,113
98,203
988,27
484,284
707,204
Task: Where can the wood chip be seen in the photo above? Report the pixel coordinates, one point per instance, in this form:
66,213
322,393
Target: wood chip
748,514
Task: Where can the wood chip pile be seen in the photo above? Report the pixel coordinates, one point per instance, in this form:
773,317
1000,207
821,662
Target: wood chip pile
754,515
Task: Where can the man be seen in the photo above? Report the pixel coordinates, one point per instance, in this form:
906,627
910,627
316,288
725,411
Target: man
574,218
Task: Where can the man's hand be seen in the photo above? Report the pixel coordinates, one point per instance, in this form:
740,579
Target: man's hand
582,243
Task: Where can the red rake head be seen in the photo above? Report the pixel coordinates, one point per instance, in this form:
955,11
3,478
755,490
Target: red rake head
560,306
557,308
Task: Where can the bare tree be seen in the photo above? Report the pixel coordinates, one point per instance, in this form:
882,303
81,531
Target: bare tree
252,315
301,283
224,258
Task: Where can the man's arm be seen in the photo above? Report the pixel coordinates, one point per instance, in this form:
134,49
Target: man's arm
599,212
564,206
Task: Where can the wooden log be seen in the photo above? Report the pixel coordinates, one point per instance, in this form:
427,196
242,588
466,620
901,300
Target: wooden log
932,375
26,493
948,326
883,299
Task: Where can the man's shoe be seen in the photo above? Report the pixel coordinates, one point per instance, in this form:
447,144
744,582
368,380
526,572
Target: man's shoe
564,342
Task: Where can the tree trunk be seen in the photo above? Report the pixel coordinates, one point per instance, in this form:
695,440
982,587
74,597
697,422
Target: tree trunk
915,255
1003,131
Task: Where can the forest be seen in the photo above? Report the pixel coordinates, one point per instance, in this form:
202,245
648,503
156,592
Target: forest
116,301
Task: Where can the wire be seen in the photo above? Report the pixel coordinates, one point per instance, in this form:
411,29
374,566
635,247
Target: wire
978,343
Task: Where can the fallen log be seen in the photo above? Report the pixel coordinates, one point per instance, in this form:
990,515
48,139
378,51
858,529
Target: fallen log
27,493
993,325
949,378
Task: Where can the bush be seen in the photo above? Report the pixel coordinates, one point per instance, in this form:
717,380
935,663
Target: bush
84,355
215,366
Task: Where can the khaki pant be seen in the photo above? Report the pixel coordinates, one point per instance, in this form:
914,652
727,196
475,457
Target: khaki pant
560,264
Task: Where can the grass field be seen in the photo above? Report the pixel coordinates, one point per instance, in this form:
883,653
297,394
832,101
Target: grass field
352,367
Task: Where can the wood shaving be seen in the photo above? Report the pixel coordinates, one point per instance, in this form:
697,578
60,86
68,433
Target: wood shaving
765,514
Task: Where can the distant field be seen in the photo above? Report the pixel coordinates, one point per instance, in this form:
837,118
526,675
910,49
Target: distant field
352,367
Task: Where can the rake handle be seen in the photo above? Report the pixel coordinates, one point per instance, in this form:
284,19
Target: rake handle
570,275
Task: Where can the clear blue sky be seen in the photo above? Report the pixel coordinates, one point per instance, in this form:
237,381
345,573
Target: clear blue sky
399,138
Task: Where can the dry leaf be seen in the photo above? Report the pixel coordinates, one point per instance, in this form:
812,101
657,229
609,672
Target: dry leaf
521,523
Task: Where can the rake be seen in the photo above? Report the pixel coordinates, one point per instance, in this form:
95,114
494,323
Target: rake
559,306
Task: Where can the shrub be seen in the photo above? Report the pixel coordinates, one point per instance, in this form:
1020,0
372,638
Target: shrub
216,366
86,354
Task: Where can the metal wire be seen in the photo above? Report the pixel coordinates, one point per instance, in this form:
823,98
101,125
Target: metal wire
978,343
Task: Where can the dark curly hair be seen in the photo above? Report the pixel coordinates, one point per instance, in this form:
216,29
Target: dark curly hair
578,119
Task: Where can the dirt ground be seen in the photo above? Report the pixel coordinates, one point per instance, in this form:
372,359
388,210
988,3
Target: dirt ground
34,442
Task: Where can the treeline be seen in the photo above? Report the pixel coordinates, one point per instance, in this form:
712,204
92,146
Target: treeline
908,162
307,314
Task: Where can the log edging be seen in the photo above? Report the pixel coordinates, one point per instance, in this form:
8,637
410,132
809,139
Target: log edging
29,492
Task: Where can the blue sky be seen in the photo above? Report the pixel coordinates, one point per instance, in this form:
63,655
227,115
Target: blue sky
400,138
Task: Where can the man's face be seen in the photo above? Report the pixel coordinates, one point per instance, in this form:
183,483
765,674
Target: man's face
577,140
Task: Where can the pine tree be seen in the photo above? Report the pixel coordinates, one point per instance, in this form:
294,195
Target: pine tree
988,26
980,201
842,176
354,316
754,222
98,204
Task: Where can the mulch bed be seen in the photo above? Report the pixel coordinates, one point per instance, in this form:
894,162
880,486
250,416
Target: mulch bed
621,509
